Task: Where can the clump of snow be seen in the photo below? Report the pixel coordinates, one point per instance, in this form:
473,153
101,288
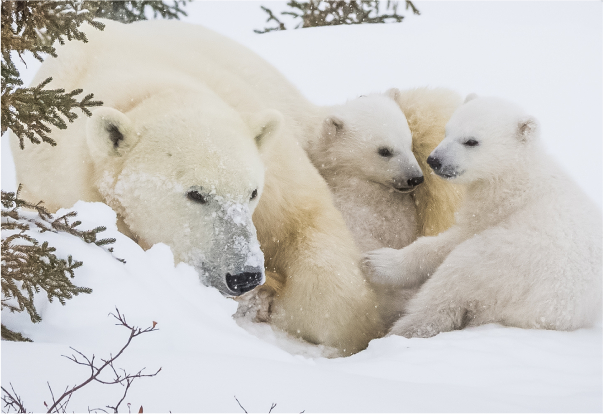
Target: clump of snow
237,213
255,256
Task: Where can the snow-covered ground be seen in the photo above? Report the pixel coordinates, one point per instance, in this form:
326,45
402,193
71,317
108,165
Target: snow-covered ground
546,56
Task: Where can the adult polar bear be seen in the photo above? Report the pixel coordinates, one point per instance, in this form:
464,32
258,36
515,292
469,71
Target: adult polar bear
173,152
526,249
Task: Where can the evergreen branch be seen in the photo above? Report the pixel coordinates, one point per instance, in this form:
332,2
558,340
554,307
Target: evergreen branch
131,11
315,13
35,27
29,267
29,111
271,17
9,335
410,5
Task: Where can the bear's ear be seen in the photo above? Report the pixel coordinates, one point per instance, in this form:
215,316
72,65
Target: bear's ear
109,133
527,128
265,126
330,127
393,93
470,97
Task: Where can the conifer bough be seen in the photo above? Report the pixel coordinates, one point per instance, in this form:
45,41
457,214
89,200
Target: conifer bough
314,13
28,267
34,26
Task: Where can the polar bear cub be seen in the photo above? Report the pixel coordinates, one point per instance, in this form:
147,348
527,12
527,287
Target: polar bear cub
364,152
526,248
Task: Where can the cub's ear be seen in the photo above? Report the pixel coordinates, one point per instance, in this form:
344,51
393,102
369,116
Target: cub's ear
393,93
265,126
109,133
527,129
330,128
470,97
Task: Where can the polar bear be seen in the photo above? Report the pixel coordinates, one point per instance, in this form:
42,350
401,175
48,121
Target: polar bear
526,248
375,162
372,151
427,112
364,152
188,151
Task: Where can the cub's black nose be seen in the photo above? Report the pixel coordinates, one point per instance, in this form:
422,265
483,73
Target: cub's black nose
434,162
415,181
243,282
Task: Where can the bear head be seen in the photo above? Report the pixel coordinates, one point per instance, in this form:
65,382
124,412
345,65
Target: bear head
185,169
368,138
486,138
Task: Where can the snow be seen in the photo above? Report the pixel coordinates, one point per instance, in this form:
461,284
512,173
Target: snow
546,56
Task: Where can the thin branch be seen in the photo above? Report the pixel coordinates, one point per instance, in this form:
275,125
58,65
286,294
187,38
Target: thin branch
51,394
96,409
242,408
12,400
128,383
95,371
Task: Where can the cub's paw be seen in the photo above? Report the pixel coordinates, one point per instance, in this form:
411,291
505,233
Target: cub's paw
414,326
265,297
382,266
256,305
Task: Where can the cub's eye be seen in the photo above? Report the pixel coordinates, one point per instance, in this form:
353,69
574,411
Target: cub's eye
385,152
197,197
254,194
470,143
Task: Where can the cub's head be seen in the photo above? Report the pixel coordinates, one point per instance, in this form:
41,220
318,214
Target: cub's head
368,138
186,171
485,138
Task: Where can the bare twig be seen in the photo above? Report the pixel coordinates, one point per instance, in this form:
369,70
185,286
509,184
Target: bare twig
13,401
125,379
242,408
95,410
51,394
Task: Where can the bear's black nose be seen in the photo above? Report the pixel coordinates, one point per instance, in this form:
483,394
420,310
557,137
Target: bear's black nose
243,282
434,162
415,181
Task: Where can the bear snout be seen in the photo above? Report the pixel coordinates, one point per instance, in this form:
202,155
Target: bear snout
415,181
434,163
243,282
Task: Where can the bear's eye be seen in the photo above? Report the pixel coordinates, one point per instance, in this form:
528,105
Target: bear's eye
385,152
471,143
254,194
196,197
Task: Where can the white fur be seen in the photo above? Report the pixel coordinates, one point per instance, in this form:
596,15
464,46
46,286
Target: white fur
526,249
194,115
370,190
